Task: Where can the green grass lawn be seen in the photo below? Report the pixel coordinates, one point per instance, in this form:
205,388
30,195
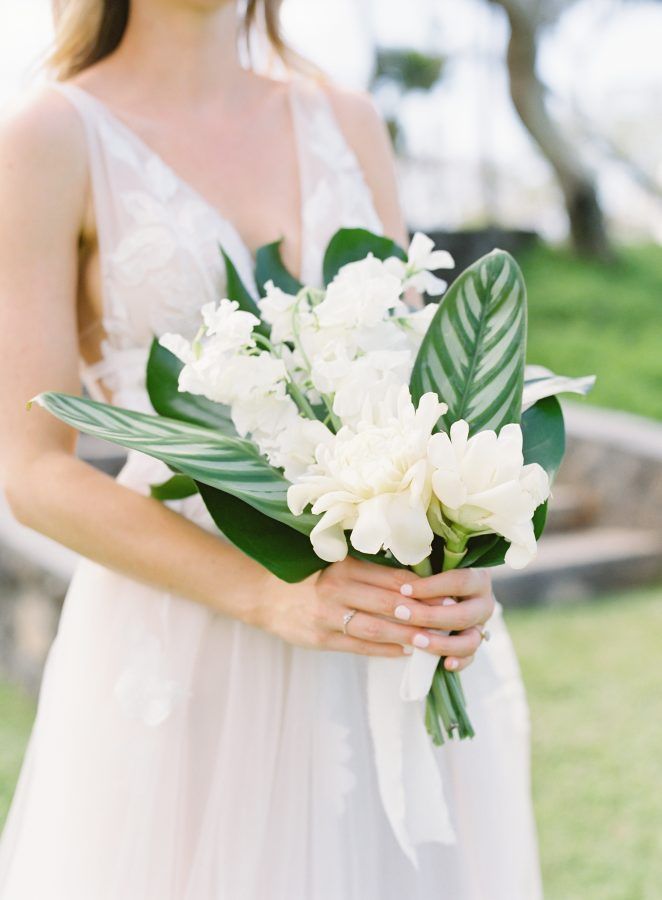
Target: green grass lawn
593,675
588,318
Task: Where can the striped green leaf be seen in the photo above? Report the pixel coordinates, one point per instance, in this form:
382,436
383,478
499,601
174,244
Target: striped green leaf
473,353
230,464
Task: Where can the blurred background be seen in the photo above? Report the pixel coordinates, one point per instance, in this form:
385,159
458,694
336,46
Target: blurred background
534,125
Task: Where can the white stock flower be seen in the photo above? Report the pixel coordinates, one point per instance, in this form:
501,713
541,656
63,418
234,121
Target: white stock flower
362,293
483,485
374,480
229,327
422,260
277,309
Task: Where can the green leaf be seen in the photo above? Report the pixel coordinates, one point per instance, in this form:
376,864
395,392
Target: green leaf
176,488
288,554
163,370
473,353
543,433
228,463
351,244
269,266
236,290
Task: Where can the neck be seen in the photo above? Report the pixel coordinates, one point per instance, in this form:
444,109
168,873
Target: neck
179,51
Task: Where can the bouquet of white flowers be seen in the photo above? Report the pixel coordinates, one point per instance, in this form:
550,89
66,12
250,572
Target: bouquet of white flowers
317,422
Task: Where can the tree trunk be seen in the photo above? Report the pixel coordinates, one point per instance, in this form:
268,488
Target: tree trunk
587,225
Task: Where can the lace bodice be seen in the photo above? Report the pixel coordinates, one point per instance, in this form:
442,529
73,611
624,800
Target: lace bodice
159,237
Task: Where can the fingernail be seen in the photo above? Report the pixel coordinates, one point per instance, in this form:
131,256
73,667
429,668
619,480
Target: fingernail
408,651
448,601
407,590
452,663
403,612
422,641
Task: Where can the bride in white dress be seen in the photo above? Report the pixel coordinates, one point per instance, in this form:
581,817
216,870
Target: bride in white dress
199,736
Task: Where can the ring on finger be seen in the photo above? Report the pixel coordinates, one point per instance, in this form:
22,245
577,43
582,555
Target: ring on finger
484,634
347,618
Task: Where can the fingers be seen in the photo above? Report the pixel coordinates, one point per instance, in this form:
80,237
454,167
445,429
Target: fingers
456,665
345,643
448,616
456,583
374,629
386,577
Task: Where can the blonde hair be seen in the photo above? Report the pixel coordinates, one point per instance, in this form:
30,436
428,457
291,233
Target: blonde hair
86,31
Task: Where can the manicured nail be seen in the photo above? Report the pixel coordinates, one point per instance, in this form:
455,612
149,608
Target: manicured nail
407,651
407,590
403,612
448,601
422,641
452,663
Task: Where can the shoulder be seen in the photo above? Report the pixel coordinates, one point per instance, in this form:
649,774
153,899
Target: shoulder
359,118
42,137
366,133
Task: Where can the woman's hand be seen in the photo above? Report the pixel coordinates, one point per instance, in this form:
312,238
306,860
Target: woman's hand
395,611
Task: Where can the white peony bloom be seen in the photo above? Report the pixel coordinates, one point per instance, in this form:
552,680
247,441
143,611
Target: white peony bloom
230,327
422,260
374,480
362,293
293,448
484,486
277,309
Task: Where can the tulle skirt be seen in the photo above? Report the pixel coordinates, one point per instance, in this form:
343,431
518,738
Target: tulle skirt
180,755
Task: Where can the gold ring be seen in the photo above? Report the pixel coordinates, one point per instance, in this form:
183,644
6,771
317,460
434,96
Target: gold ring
484,634
347,618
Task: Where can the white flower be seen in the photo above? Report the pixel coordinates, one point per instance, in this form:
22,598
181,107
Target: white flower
484,486
375,481
422,260
231,327
371,375
362,293
277,309
415,326
293,447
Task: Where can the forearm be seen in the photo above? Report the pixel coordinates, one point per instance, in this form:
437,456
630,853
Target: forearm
69,501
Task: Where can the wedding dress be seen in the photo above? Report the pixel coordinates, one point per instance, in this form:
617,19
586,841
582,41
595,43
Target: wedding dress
178,754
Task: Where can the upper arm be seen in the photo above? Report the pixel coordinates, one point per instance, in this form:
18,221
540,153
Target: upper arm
368,137
43,183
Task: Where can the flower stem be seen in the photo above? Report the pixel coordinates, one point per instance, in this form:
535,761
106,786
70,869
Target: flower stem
445,712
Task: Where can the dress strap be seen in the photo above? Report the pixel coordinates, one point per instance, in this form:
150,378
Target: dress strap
333,187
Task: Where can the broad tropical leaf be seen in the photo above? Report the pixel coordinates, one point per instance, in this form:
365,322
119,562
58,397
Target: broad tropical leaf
235,289
543,433
176,488
473,353
351,244
288,554
228,463
163,370
269,266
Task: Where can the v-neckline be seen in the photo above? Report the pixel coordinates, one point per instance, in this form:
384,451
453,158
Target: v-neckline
116,121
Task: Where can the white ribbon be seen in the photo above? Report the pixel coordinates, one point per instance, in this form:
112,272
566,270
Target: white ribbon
408,774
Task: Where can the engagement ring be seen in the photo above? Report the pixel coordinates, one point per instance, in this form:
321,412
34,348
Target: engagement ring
347,618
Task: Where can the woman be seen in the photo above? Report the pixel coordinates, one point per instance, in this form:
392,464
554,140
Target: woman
196,739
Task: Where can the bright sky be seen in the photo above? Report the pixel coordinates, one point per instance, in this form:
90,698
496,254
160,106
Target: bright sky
469,119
